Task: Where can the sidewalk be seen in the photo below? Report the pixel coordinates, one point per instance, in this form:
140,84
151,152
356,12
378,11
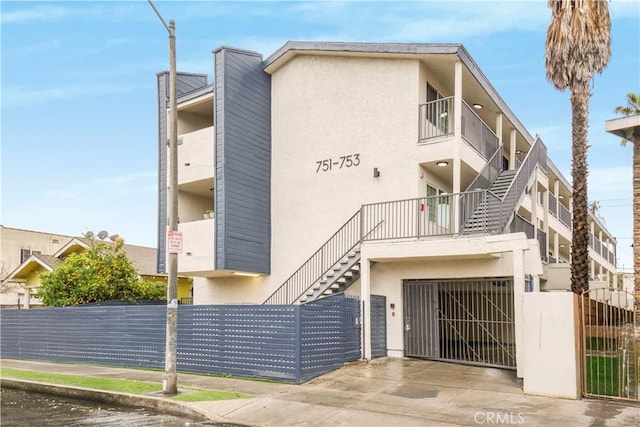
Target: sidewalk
384,392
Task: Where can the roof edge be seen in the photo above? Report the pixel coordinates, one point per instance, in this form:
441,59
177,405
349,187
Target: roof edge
362,47
237,50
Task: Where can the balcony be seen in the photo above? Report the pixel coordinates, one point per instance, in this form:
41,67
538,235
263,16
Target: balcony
195,156
198,248
559,211
602,249
437,120
520,224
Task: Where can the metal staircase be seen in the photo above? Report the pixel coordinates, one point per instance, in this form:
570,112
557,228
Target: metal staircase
487,215
491,210
331,269
487,206
343,274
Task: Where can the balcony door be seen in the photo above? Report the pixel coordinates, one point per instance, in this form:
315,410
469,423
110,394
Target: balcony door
437,112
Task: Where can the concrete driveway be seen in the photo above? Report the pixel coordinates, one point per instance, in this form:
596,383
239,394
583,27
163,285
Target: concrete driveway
384,392
409,392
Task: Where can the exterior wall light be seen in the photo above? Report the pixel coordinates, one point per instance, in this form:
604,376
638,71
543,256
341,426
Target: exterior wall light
239,273
442,164
478,106
376,173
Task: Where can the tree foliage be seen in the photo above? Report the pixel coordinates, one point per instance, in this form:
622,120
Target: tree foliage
102,272
631,109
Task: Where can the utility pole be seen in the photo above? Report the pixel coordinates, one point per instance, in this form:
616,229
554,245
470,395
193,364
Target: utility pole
170,378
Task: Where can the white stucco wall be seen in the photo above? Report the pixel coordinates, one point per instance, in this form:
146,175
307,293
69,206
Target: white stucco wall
551,345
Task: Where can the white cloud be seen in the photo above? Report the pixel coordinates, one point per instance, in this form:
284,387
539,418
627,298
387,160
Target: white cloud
48,13
47,45
610,182
105,187
28,96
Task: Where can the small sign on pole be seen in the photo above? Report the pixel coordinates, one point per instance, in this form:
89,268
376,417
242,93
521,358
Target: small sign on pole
174,242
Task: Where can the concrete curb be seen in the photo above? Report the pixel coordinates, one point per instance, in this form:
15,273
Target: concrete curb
133,400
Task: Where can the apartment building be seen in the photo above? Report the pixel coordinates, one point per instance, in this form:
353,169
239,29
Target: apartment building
394,170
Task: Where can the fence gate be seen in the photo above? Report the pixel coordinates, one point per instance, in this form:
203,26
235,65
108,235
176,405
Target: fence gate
378,326
610,348
469,321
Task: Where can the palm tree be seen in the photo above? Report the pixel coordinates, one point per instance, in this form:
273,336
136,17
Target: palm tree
631,109
578,45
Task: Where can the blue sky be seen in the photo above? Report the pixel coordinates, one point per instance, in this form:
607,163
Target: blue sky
78,101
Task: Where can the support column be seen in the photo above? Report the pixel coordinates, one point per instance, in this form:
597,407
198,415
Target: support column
499,128
457,130
534,205
456,191
27,297
556,246
365,314
457,100
518,300
545,218
512,150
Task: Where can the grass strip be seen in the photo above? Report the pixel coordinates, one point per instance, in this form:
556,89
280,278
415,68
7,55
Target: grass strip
198,395
187,394
107,384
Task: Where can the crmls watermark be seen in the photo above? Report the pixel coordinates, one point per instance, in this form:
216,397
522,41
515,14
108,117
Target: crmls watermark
499,418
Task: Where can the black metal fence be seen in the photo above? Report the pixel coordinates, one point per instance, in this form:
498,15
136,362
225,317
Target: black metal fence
292,343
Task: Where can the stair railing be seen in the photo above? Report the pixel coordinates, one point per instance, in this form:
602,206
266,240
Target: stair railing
537,155
470,200
489,172
336,247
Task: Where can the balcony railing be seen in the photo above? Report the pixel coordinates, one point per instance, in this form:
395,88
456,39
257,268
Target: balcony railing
565,216
542,242
602,249
420,217
436,118
198,248
433,216
477,133
553,206
519,224
195,154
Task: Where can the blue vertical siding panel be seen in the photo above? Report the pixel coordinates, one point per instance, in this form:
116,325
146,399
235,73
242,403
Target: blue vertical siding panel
243,162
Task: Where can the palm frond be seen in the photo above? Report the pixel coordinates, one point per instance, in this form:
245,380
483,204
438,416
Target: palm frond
633,105
578,41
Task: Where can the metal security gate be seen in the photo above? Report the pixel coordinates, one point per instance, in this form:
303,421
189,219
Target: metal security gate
468,321
610,348
378,326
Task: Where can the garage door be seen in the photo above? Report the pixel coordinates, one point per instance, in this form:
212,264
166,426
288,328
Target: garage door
467,321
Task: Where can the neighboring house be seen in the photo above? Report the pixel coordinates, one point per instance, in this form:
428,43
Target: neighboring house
16,246
24,280
386,169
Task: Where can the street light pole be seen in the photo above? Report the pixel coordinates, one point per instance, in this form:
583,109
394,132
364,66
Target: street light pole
170,378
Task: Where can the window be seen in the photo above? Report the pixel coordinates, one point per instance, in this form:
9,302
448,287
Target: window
26,253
